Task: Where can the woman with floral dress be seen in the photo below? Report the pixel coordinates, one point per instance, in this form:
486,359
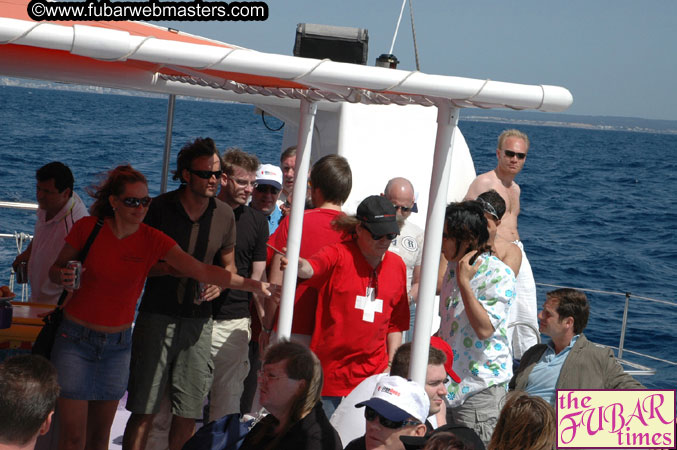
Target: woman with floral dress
477,291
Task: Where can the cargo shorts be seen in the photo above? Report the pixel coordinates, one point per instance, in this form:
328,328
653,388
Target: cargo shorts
170,354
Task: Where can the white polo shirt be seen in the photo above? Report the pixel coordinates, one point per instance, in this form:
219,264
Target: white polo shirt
48,240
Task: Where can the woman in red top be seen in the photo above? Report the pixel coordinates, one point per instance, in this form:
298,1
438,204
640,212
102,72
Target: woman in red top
93,344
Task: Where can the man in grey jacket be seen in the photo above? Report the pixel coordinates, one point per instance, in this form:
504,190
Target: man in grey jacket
569,360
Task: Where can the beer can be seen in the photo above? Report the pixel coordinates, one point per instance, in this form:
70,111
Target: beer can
22,273
77,272
200,293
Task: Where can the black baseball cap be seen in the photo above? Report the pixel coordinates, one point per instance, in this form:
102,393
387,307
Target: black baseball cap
378,215
467,435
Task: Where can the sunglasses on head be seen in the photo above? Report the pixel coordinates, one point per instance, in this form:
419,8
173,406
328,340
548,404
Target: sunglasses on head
370,414
404,209
134,202
378,237
488,208
267,188
206,174
510,154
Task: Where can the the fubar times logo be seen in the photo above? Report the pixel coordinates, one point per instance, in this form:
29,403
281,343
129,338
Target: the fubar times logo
616,419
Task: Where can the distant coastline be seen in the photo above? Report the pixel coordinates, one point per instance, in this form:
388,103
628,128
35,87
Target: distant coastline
534,118
609,123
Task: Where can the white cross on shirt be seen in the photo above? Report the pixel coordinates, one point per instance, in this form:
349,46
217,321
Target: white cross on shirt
369,305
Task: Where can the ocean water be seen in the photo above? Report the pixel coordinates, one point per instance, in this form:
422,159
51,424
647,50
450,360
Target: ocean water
597,206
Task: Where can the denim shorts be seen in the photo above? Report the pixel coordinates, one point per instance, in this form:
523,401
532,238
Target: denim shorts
91,365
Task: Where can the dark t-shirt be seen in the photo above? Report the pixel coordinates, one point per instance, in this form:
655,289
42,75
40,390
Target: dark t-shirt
250,246
313,432
357,444
212,233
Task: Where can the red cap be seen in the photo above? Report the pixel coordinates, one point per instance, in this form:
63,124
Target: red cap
441,344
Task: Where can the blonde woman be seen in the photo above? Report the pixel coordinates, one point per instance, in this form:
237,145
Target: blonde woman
290,383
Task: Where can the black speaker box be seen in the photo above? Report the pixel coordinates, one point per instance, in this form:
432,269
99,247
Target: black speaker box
340,44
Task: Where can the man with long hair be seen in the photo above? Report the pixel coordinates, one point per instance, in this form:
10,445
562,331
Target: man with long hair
171,346
362,305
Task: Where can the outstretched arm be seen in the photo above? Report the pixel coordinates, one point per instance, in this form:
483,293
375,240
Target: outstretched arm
206,273
277,266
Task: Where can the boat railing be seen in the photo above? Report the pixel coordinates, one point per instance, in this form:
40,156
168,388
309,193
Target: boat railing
20,240
635,368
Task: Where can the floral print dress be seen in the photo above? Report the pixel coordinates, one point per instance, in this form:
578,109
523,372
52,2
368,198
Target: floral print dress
479,363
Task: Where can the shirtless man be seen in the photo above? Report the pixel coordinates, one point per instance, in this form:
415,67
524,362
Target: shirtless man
511,153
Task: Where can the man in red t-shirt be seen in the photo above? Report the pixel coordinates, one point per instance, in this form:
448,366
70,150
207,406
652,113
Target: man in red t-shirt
362,305
330,185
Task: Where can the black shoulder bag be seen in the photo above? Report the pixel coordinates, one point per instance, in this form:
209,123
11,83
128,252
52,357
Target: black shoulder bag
45,340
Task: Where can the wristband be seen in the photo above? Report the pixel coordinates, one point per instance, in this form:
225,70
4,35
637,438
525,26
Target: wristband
267,330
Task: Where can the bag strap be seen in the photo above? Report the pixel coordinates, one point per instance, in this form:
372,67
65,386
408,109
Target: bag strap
83,255
192,291
90,239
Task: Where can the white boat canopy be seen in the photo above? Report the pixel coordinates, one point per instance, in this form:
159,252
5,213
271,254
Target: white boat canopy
134,55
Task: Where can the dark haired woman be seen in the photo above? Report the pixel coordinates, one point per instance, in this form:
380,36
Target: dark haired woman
290,384
477,291
93,344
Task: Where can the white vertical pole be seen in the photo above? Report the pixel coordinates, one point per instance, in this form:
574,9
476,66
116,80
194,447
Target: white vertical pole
168,143
306,123
447,119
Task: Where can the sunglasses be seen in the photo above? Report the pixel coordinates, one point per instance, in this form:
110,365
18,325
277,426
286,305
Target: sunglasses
243,183
269,376
378,237
511,154
266,188
134,202
404,209
370,414
206,174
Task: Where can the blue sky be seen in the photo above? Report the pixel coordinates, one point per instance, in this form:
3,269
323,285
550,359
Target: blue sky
617,57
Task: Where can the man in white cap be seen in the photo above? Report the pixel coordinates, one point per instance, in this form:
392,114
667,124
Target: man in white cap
440,365
396,408
266,193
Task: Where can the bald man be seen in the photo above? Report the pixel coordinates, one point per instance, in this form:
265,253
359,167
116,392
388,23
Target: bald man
409,244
